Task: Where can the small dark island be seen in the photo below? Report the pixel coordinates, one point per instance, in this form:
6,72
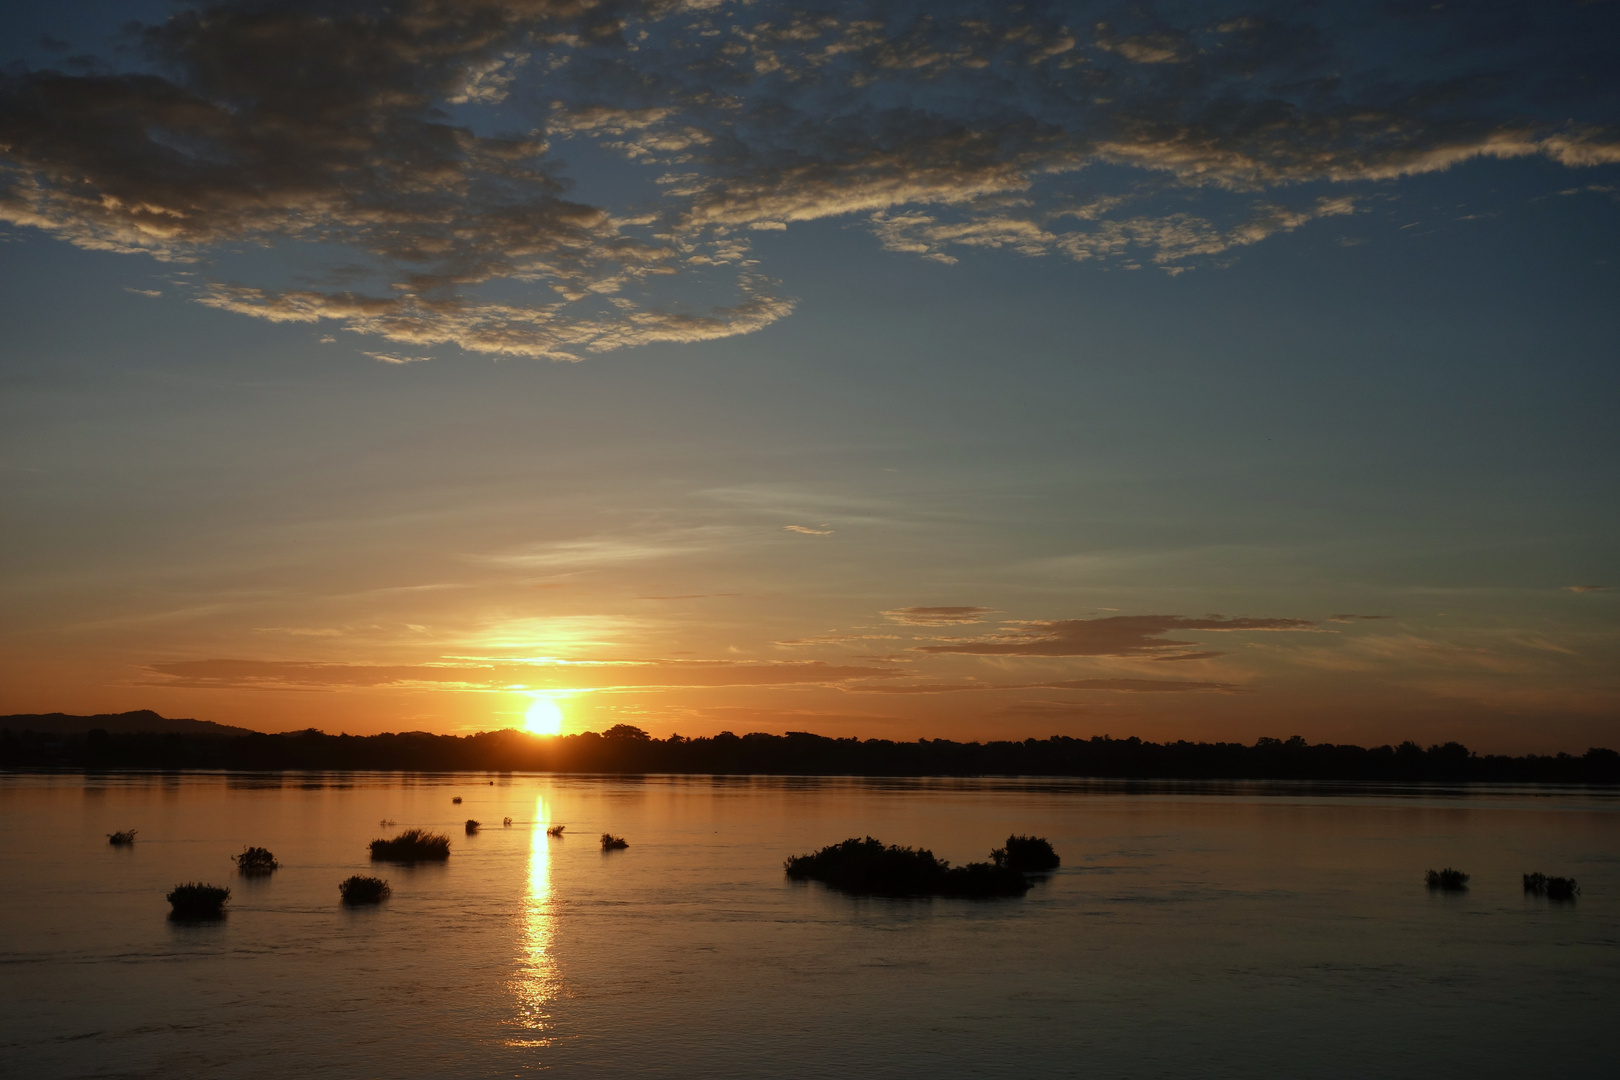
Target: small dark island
123,838
1447,880
360,889
1553,888
195,900
411,846
868,867
1027,854
609,841
256,860
473,826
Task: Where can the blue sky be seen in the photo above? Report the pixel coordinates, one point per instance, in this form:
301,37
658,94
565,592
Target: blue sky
1190,371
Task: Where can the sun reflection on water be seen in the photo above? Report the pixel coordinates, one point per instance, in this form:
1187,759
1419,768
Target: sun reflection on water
535,983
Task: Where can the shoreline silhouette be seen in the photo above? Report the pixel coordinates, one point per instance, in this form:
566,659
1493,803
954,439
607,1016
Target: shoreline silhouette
626,750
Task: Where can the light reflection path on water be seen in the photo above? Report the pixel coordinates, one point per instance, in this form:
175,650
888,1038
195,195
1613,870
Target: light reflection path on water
535,982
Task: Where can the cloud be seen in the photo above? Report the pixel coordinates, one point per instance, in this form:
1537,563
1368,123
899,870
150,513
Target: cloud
425,143
1145,686
144,292
577,675
601,551
938,616
390,358
807,530
1111,686
686,596
299,631
1356,618
267,123
1142,48
1587,588
1116,635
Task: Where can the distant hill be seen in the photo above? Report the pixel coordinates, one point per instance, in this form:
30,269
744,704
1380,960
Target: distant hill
140,722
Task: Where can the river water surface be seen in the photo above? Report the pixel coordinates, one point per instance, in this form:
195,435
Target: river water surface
1193,930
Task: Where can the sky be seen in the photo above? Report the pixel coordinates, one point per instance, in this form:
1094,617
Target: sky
949,370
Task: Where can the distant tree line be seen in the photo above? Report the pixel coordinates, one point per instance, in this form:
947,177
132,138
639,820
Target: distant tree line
625,749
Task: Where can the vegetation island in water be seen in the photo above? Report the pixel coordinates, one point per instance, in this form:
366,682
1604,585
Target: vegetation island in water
410,846
256,860
195,900
868,867
359,889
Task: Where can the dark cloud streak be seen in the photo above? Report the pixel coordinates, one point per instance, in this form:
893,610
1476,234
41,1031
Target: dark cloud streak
1115,635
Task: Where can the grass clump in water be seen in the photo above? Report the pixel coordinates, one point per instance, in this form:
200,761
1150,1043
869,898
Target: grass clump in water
1553,888
555,830
256,860
412,845
195,900
1447,880
868,867
1027,855
456,800
506,821
360,889
121,839
609,842
472,826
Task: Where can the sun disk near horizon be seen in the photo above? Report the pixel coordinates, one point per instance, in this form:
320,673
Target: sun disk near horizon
544,717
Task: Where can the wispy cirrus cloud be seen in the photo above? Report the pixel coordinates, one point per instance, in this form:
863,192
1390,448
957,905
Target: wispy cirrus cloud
591,552
396,358
835,638
938,616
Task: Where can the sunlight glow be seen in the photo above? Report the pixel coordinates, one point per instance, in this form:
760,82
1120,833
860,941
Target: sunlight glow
545,717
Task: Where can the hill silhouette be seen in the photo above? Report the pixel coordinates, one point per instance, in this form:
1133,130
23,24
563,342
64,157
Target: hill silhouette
141,721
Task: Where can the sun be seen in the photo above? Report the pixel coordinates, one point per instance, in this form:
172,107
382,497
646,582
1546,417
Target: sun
544,717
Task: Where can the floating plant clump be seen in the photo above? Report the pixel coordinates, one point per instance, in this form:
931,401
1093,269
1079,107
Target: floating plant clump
256,860
611,842
869,867
555,830
1026,854
412,845
1553,888
198,901
1447,880
360,889
124,838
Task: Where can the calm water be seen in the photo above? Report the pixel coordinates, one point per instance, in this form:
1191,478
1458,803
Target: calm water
1212,930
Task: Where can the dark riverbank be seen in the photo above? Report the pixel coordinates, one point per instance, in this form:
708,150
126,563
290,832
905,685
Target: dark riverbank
628,750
